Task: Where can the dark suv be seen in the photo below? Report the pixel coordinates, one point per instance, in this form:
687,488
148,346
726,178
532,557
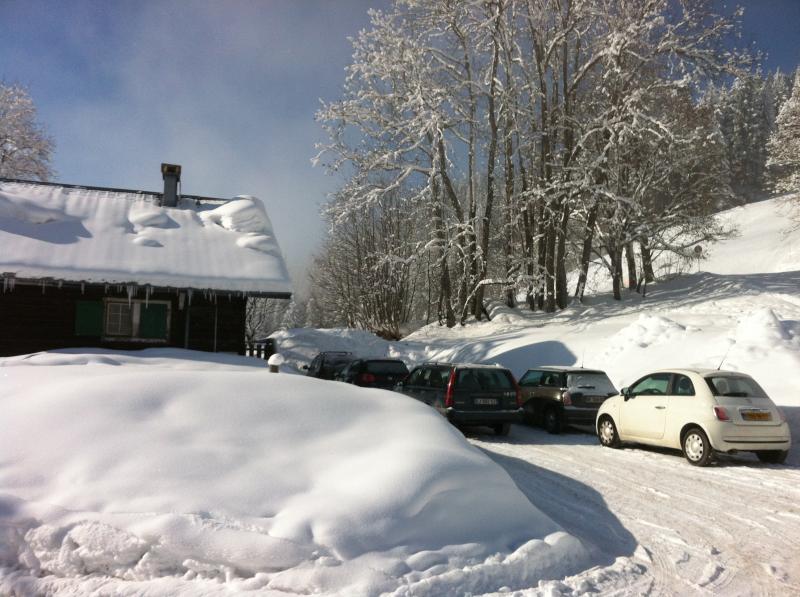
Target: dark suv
467,394
555,397
326,365
374,373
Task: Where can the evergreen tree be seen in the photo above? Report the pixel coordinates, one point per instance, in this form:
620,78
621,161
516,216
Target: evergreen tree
784,145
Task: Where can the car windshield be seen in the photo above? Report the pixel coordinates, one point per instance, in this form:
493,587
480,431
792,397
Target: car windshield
484,379
735,386
337,363
591,381
386,367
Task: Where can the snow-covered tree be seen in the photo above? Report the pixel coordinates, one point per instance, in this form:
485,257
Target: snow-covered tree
784,145
25,148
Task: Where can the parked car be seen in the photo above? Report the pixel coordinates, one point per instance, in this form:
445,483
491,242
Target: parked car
328,364
467,394
556,397
700,412
374,373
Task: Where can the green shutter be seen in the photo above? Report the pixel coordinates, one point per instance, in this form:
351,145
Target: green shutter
88,318
153,321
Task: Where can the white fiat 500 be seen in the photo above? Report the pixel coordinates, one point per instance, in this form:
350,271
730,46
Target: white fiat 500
698,411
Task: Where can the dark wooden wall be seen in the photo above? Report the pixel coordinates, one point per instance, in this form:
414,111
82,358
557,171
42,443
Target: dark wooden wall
32,320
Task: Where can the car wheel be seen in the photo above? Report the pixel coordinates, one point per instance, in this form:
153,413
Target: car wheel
772,456
607,433
696,447
552,421
502,429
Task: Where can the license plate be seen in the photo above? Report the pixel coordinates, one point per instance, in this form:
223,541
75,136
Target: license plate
486,401
594,399
756,415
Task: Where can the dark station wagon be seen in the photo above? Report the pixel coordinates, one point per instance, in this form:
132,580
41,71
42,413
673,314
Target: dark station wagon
467,394
374,373
556,397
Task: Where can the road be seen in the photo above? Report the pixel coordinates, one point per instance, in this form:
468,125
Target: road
657,525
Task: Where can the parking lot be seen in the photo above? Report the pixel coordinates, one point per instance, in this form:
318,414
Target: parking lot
732,528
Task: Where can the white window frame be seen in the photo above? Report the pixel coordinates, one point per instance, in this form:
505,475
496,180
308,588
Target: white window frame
136,309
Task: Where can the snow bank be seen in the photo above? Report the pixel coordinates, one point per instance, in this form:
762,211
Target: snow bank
82,235
166,474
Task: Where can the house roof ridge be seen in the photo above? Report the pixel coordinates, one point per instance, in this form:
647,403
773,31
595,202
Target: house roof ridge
116,190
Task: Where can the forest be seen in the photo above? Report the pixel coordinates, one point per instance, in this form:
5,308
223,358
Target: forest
496,149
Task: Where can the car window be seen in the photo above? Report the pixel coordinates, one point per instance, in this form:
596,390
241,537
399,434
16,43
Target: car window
531,378
386,367
655,384
591,382
415,379
551,379
485,379
438,377
682,386
735,386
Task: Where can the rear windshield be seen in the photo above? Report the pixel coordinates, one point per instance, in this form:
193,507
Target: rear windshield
386,367
484,379
336,363
590,382
737,387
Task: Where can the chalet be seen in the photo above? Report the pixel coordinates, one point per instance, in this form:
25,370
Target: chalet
99,267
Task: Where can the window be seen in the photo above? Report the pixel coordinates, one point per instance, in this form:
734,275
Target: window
136,320
551,379
415,379
735,386
682,386
531,378
484,379
656,384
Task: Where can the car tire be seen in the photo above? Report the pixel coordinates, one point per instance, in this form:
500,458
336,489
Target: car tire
696,447
552,421
502,429
607,433
772,456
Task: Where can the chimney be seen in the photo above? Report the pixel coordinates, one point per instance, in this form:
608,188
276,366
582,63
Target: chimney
171,173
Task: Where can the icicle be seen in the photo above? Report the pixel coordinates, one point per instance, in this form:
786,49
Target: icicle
44,284
147,291
189,295
60,284
83,287
131,290
106,289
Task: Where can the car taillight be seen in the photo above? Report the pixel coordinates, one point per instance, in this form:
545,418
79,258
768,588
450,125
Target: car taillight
519,394
448,395
366,378
566,397
721,414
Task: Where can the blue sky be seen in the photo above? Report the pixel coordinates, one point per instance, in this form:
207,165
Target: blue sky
227,89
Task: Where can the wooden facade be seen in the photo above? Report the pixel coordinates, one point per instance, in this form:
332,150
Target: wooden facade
36,317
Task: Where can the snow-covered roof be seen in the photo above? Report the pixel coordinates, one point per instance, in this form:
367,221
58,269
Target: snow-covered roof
71,234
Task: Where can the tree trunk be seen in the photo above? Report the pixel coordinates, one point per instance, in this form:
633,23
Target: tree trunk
630,258
550,265
586,254
615,255
647,260
561,258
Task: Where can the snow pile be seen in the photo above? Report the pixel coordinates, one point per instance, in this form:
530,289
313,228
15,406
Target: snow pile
206,477
82,235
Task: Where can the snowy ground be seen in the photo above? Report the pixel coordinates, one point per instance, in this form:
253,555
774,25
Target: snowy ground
210,476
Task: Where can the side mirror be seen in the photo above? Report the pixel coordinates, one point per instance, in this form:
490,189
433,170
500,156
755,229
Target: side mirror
305,367
626,392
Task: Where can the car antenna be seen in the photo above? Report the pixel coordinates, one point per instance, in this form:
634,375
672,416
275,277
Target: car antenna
583,354
726,355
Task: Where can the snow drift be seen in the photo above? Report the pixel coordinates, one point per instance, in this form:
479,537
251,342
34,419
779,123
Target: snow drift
210,472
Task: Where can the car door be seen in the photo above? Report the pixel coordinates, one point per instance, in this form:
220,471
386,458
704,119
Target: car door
682,407
528,383
644,408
